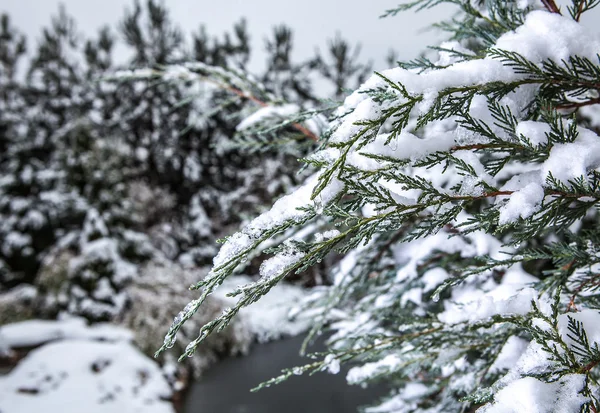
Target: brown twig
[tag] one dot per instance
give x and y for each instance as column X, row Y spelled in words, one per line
column 575, row 105
column 579, row 11
column 482, row 196
column 595, row 280
column 304, row 130
column 551, row 6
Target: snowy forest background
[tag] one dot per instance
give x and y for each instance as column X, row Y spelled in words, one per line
column 441, row 228
column 113, row 190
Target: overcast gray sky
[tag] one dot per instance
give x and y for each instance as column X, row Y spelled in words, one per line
column 313, row 21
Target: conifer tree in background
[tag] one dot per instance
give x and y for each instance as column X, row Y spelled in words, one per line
column 12, row 49
column 36, row 205
column 115, row 184
column 461, row 190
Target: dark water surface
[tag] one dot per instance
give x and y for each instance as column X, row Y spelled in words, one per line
column 225, row 388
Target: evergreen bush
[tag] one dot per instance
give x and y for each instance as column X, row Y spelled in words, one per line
column 461, row 190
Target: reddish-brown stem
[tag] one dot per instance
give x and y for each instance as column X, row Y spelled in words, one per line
column 259, row 102
column 486, row 195
column 551, row 6
column 595, row 280
column 574, row 105
column 590, row 366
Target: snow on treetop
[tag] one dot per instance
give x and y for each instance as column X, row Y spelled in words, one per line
column 281, row 111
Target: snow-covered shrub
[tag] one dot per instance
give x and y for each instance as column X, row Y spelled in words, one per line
column 154, row 155
column 97, row 278
column 150, row 205
column 462, row 191
column 17, row 304
column 52, row 283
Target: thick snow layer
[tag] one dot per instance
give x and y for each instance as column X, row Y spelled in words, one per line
column 279, row 263
column 530, row 395
column 551, row 36
column 389, row 363
column 522, row 204
column 543, row 36
column 33, row 333
column 74, row 376
column 536, row 132
column 405, row 146
column 512, row 350
column 569, row 161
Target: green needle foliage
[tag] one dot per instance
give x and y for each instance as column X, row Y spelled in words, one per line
column 461, row 192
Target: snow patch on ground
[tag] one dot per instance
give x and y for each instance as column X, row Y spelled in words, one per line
column 33, row 333
column 74, row 376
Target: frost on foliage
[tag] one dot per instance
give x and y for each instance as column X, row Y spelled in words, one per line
column 290, row 209
column 451, row 183
column 512, row 297
column 272, row 317
column 102, row 377
column 98, row 276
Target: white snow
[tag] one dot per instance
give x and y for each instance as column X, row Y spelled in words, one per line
column 80, row 369
column 530, row 395
column 284, row 210
column 74, row 376
column 358, row 374
column 536, row 132
column 268, row 112
column 591, row 324
column 522, row 204
column 332, row 364
column 569, row 161
column 33, row 333
column 281, row 262
column 405, row 400
column 512, row 350
column 433, row 278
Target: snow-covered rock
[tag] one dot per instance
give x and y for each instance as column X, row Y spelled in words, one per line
column 74, row 376
column 33, row 333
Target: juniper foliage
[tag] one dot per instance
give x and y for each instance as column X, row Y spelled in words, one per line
column 104, row 173
column 461, row 190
